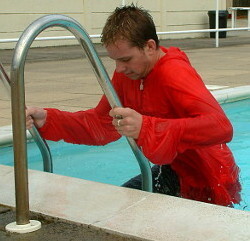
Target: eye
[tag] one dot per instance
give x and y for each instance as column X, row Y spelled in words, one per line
column 126, row 59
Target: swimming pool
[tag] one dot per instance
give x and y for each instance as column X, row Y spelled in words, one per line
column 112, row 164
column 115, row 162
column 239, row 114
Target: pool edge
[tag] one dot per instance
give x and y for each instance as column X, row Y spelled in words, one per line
column 124, row 211
column 232, row 94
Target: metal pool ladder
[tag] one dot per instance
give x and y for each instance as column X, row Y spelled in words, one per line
column 18, row 107
column 41, row 143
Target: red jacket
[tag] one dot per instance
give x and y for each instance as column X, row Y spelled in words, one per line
column 183, row 125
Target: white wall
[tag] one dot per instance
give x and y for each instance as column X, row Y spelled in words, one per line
column 169, row 15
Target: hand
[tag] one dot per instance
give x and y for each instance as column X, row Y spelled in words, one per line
column 35, row 116
column 127, row 121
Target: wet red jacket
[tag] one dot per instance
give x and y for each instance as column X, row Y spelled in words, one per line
column 183, row 125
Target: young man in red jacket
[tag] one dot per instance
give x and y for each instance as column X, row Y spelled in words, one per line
column 174, row 119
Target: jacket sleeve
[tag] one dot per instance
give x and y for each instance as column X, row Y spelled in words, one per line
column 91, row 127
column 200, row 120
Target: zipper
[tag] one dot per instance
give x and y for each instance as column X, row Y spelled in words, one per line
column 141, row 85
column 141, row 93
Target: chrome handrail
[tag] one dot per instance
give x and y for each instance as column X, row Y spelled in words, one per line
column 18, row 104
column 41, row 143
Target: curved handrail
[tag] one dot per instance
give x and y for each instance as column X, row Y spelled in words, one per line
column 41, row 143
column 18, row 103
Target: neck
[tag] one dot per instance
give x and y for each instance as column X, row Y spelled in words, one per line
column 160, row 54
column 157, row 56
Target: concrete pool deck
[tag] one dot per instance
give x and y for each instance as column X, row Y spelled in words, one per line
column 85, row 210
column 116, row 213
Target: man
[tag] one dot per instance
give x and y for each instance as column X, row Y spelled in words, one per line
column 174, row 119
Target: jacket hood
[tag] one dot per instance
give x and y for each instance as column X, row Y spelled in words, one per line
column 174, row 53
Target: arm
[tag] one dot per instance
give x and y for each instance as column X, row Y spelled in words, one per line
column 91, row 127
column 201, row 122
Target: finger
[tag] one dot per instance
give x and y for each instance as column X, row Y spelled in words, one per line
column 29, row 123
column 119, row 117
column 119, row 122
column 29, row 111
column 113, row 112
column 28, row 119
column 117, row 112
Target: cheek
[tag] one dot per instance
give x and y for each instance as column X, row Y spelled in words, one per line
column 142, row 66
column 138, row 64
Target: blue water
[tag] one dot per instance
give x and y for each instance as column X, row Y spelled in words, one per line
column 239, row 114
column 115, row 162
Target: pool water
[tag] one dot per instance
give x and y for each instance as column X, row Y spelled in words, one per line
column 239, row 115
column 115, row 162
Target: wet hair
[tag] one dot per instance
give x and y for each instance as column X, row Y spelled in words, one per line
column 130, row 23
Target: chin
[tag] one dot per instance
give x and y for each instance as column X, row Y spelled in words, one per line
column 133, row 76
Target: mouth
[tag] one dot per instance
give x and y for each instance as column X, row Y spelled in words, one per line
column 128, row 73
column 131, row 74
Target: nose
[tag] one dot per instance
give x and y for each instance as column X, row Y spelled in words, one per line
column 120, row 67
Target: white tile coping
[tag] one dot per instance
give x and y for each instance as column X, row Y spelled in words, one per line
column 6, row 136
column 126, row 211
column 221, row 93
column 232, row 94
column 216, row 87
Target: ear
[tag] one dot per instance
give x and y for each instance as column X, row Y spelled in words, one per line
column 150, row 46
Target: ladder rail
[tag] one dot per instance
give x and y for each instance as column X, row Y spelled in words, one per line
column 18, row 104
column 41, row 143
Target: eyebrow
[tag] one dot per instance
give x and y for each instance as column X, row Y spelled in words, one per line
column 124, row 58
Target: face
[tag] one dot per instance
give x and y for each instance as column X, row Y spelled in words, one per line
column 135, row 63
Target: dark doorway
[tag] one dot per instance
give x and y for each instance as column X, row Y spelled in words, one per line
column 241, row 3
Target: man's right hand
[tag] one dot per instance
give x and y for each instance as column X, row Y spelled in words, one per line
column 35, row 116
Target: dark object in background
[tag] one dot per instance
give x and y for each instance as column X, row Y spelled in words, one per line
column 223, row 15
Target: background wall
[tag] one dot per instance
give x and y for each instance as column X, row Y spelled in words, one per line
column 169, row 15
